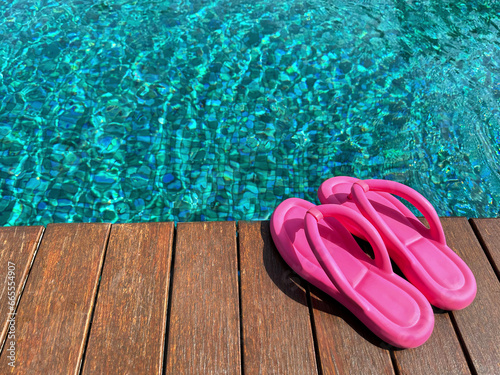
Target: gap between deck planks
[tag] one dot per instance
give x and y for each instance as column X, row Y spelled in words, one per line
column 271, row 322
column 54, row 311
column 132, row 301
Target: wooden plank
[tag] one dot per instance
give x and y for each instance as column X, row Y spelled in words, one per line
column 488, row 233
column 441, row 354
column 335, row 324
column 204, row 332
column 55, row 309
column 345, row 345
column 277, row 334
column 17, row 250
column 128, row 328
column 479, row 323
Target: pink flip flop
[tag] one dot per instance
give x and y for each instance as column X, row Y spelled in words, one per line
column 317, row 246
column 421, row 253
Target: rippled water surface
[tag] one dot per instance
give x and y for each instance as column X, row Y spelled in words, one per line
column 128, row 111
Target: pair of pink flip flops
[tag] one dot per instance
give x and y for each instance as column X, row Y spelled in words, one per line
column 317, row 244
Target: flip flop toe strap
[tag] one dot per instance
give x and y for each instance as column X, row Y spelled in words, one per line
column 325, row 258
column 358, row 194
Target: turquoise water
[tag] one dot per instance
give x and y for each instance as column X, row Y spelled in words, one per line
column 128, row 111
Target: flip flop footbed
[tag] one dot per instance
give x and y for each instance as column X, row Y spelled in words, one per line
column 436, row 270
column 387, row 304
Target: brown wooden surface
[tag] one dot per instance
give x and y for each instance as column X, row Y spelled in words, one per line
column 17, row 248
column 55, row 308
column 488, row 233
column 479, row 323
column 339, row 331
column 345, row 345
column 204, row 332
column 128, row 328
column 441, row 354
column 277, row 334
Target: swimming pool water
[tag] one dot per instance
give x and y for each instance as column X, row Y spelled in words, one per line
column 128, row 111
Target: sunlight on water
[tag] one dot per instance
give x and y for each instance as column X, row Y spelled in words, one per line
column 127, row 111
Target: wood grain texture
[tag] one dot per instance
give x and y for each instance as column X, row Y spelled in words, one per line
column 345, row 345
column 17, row 250
column 488, row 232
column 55, row 309
column 479, row 323
column 128, row 328
column 441, row 354
column 204, row 331
column 277, row 333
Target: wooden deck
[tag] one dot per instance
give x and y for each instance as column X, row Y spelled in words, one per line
column 213, row 298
